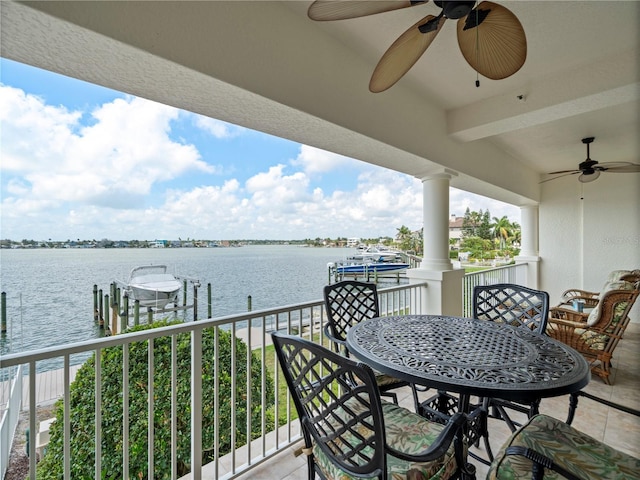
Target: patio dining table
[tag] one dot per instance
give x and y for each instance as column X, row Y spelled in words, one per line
column 469, row 357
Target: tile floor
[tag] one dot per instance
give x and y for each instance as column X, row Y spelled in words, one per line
column 621, row 431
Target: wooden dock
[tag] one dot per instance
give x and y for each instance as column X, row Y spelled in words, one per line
column 49, row 387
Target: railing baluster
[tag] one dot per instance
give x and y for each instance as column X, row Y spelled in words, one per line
column 150, row 407
column 174, row 407
column 98, row 411
column 32, row 420
column 196, row 404
column 233, row 398
column 125, row 410
column 248, row 387
column 66, row 439
column 216, row 401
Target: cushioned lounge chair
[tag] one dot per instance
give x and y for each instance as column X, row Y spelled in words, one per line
column 596, row 332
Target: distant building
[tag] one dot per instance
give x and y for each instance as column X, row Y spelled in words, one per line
column 353, row 242
column 158, row 244
column 455, row 231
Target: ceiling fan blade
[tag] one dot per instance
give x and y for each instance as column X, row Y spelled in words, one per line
column 322, row 10
column 567, row 172
column 573, row 170
column 403, row 54
column 492, row 41
column 619, row 167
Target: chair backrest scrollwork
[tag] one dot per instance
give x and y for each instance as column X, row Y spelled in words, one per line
column 512, row 304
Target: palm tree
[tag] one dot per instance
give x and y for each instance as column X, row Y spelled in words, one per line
column 501, row 229
column 404, row 237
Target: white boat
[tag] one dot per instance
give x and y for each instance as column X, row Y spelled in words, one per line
column 374, row 253
column 357, row 269
column 152, row 286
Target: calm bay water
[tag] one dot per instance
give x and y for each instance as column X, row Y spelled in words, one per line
column 50, row 291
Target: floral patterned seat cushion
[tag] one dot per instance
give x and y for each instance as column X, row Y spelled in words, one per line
column 576, row 452
column 409, row 433
column 594, row 316
column 382, row 379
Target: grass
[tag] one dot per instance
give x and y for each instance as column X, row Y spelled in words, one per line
column 475, row 269
column 283, row 391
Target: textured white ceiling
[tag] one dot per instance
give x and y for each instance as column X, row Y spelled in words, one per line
column 267, row 66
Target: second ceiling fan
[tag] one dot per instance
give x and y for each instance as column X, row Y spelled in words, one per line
column 490, row 36
column 590, row 170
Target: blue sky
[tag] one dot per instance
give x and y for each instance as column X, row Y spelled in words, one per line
column 83, row 161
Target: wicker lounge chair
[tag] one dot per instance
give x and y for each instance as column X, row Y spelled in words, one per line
column 590, row 299
column 596, row 333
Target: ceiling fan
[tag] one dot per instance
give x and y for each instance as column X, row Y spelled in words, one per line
column 590, row 170
column 490, row 36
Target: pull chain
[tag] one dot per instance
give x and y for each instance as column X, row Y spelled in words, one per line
column 477, row 47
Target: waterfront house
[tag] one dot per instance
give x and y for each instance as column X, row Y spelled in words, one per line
column 266, row 66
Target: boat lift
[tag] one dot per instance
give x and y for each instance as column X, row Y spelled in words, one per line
column 114, row 310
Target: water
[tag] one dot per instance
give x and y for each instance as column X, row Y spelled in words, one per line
column 50, row 291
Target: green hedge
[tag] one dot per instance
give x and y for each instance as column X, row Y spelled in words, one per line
column 82, row 404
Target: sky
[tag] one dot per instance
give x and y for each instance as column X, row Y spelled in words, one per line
column 79, row 161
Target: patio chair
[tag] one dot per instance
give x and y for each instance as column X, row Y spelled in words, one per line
column 349, row 432
column 547, row 448
column 521, row 307
column 590, row 299
column 349, row 302
column 596, row 334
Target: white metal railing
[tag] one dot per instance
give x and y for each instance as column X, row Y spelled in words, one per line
column 253, row 329
column 10, row 416
column 516, row 273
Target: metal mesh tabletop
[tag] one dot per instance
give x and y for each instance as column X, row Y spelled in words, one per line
column 469, row 356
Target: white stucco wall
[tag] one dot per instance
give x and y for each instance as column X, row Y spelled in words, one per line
column 587, row 230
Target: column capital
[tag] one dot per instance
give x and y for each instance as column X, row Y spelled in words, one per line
column 439, row 173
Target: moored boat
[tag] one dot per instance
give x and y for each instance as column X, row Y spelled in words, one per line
column 367, row 268
column 376, row 254
column 152, row 286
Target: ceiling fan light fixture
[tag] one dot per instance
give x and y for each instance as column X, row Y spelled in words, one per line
column 587, row 177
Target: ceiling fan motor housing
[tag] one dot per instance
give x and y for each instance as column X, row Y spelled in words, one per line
column 587, row 166
column 455, row 9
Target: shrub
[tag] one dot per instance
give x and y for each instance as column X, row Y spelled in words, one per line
column 82, row 402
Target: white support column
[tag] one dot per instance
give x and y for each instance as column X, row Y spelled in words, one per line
column 443, row 295
column 529, row 247
column 435, row 212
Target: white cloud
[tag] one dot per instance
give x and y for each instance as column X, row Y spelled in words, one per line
column 313, row 160
column 122, row 176
column 217, row 128
column 116, row 159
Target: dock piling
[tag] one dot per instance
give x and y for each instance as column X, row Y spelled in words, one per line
column 101, row 312
column 124, row 318
column 136, row 312
column 96, row 313
column 3, row 314
column 195, row 302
